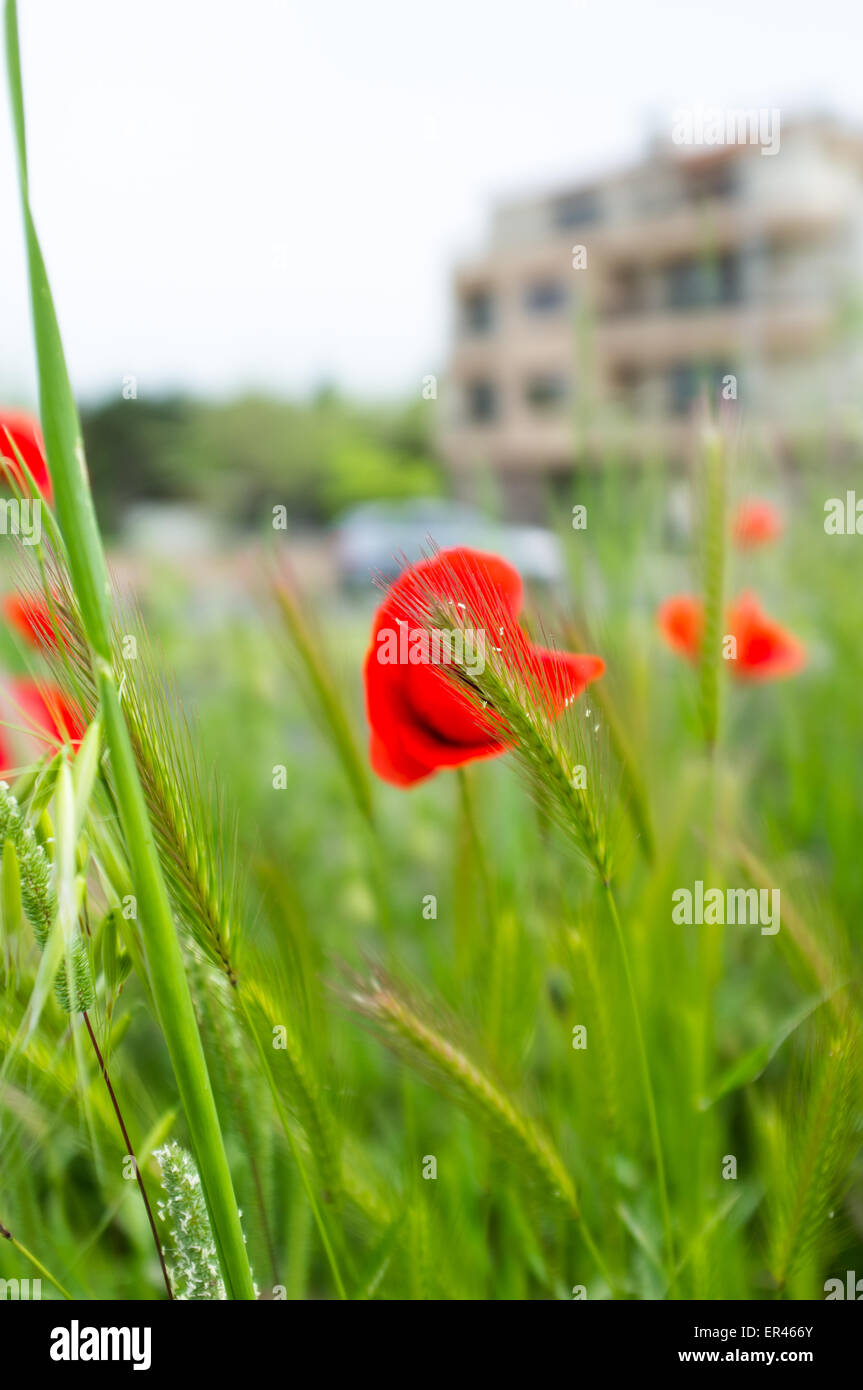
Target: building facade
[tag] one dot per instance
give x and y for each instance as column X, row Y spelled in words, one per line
column 600, row 315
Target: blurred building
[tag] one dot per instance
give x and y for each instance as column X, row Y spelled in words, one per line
column 600, row 313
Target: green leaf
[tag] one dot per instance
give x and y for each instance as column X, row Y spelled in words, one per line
column 750, row 1066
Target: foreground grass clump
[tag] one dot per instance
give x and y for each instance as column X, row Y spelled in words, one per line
column 506, row 1150
column 559, row 1091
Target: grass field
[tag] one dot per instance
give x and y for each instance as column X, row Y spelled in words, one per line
column 446, row 1042
column 463, row 899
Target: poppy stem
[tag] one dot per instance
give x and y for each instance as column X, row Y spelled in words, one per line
column 647, row 1084
column 468, row 806
column 469, row 809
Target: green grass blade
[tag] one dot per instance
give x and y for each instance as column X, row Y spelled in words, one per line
column 88, row 570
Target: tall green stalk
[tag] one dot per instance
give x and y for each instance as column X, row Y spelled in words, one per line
column 647, row 1084
column 713, row 583
column 88, row 570
column 714, row 506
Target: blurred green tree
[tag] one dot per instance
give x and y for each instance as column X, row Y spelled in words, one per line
column 240, row 457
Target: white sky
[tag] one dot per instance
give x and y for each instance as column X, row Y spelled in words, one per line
column 236, row 193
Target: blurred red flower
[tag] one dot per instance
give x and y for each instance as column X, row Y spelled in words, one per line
column 31, row 617
column 756, row 523
column 26, row 436
column 419, row 721
column 765, row 651
column 7, row 762
column 44, row 709
column 681, row 622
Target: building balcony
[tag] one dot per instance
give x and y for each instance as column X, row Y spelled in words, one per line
column 657, row 338
column 721, row 224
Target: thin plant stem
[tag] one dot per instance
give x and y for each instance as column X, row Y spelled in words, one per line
column 598, row 1259
column 647, row 1085
column 37, row 1264
column 129, row 1150
column 713, row 535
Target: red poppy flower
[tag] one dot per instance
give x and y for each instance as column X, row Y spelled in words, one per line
column 45, row 709
column 420, row 722
column 756, row 523
column 31, row 617
column 26, row 436
column 681, row 621
column 7, row 762
column 764, row 650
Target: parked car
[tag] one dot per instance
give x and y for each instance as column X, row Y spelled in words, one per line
column 374, row 539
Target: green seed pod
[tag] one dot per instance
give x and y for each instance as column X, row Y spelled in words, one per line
column 10, row 816
column 196, row 1274
column 35, row 892
column 83, row 994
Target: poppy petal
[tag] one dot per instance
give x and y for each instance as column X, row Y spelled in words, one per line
column 26, row 437
column 564, row 675
column 420, row 720
column 7, row 762
column 765, row 650
column 443, row 709
column 402, row 771
column 681, row 622
column 388, row 714
column 756, row 523
column 30, row 617
column 46, row 709
column 487, row 586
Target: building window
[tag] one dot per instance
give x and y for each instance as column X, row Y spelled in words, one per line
column 683, row 280
column 730, row 278
column 577, row 209
column 546, row 392
column 545, row 297
column 683, row 386
column 482, row 402
column 687, row 381
column 701, row 284
column 627, row 292
column 478, row 311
